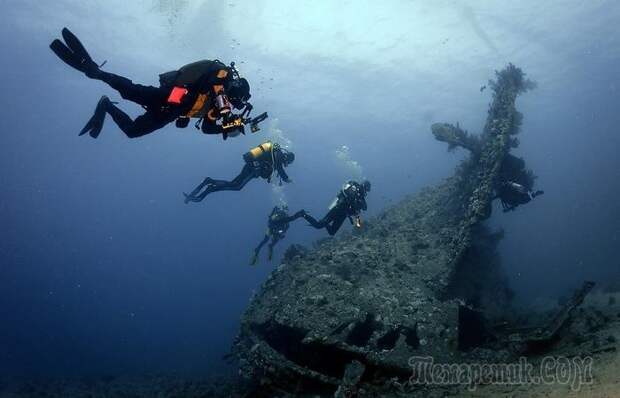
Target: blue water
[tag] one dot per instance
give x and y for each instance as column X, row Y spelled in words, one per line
column 104, row 270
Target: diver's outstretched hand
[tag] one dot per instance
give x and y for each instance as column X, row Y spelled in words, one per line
column 254, row 259
column 189, row 198
column 300, row 214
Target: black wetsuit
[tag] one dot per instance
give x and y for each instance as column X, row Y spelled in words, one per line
column 277, row 226
column 251, row 170
column 159, row 112
column 512, row 194
column 350, row 202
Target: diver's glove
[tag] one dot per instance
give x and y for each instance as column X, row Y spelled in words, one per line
column 254, row 259
column 189, row 198
column 358, row 222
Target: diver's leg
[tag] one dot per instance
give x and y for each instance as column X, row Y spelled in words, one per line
column 148, row 96
column 324, row 222
column 193, row 195
column 313, row 221
column 335, row 223
column 261, row 244
column 273, row 242
column 258, row 248
column 199, row 187
column 142, row 125
column 246, row 175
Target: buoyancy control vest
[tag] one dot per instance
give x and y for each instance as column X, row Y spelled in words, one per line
column 199, row 80
column 351, row 194
column 276, row 225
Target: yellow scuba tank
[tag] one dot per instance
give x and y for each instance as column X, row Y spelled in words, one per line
column 262, row 152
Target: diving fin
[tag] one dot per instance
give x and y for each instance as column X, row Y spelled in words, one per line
column 64, row 53
column 94, row 126
column 76, row 45
column 74, row 54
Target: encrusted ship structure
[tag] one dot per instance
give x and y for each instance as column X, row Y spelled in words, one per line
column 421, row 279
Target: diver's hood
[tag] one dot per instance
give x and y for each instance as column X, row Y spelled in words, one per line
column 238, row 92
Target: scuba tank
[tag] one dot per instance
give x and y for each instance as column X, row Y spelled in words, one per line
column 334, row 203
column 260, row 153
column 263, row 158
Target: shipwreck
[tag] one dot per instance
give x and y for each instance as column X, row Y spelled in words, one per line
column 421, row 279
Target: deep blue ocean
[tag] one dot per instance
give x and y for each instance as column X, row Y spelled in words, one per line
column 104, row 269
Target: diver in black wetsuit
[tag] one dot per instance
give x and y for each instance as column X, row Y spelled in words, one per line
column 351, row 200
column 207, row 90
column 512, row 194
column 277, row 226
column 262, row 161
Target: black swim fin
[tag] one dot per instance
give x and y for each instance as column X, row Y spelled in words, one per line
column 94, row 126
column 74, row 54
column 76, row 45
column 64, row 53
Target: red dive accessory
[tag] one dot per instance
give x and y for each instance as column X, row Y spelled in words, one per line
column 177, row 94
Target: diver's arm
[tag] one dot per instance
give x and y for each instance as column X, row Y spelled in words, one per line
column 282, row 173
column 209, row 126
column 299, row 214
column 364, row 204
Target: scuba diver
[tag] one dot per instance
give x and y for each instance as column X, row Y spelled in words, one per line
column 351, row 200
column 262, row 161
column 516, row 183
column 512, row 194
column 277, row 225
column 206, row 90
